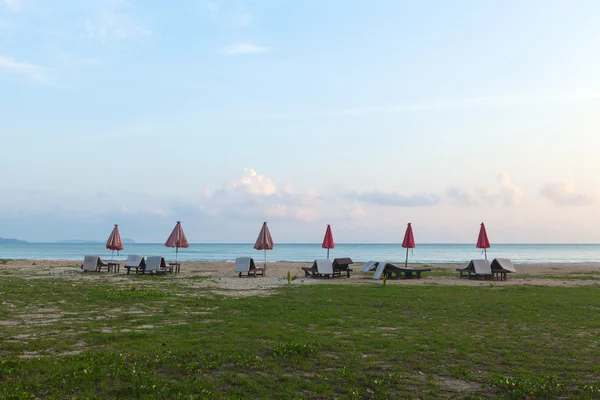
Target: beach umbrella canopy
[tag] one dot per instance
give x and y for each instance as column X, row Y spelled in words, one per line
column 264, row 240
column 328, row 240
column 482, row 240
column 114, row 241
column 177, row 239
column 408, row 242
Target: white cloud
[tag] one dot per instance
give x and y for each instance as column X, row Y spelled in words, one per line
column 563, row 194
column 245, row 48
column 254, row 195
column 507, row 193
column 30, row 71
column 13, row 4
column 395, row 199
column 113, row 27
column 113, row 20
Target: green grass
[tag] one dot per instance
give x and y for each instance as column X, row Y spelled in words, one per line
column 158, row 338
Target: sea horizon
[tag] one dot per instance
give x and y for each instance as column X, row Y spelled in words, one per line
column 523, row 253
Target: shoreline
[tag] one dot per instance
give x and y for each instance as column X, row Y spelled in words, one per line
column 221, row 276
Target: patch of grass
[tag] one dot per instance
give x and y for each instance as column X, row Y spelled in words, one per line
column 160, row 338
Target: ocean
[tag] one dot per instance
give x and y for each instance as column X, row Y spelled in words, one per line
column 359, row 252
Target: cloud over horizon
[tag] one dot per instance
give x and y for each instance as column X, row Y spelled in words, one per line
column 506, row 194
column 563, row 194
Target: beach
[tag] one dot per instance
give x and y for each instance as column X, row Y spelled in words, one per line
column 221, row 275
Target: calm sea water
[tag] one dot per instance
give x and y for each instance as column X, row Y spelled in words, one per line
column 424, row 253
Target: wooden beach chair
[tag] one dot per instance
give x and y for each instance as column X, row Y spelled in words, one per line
column 321, row 268
column 342, row 265
column 246, row 265
column 155, row 264
column 501, row 267
column 476, row 269
column 135, row 261
column 93, row 264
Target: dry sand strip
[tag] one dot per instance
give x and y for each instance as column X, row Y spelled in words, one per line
column 223, row 276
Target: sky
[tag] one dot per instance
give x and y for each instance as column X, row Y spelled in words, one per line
column 365, row 115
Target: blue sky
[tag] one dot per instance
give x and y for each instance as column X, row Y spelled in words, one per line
column 362, row 114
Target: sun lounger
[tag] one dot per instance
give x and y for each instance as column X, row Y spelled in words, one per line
column 369, row 266
column 501, row 267
column 155, row 264
column 246, row 265
column 477, row 269
column 321, row 268
column 93, row 264
column 391, row 271
column 135, row 261
column 342, row 265
column 379, row 270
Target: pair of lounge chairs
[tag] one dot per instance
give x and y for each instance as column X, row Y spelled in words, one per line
column 153, row 264
column 391, row 271
column 246, row 265
column 498, row 269
column 325, row 268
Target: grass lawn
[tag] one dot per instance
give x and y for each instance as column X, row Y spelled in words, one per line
column 154, row 338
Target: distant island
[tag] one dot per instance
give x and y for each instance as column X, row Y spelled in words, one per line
column 12, row 241
column 79, row 241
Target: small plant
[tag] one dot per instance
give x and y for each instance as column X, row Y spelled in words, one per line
column 293, row 350
column 528, row 388
column 291, row 278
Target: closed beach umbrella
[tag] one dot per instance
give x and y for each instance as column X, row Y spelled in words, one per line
column 482, row 240
column 408, row 242
column 177, row 239
column 264, row 240
column 114, row 241
column 328, row 240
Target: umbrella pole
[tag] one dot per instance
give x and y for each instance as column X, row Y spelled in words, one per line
column 485, row 252
column 176, row 252
column 406, row 261
column 265, row 257
column 328, row 254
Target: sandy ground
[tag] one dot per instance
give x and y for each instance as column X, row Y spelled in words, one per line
column 222, row 276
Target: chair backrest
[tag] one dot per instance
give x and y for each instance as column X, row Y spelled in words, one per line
column 155, row 263
column 369, row 266
column 90, row 263
column 342, row 262
column 133, row 260
column 379, row 271
column 324, row 266
column 503, row 264
column 481, row 267
column 242, row 264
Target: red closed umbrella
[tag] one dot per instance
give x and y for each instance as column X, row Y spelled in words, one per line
column 177, row 239
column 264, row 240
column 408, row 242
column 328, row 240
column 114, row 241
column 482, row 240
